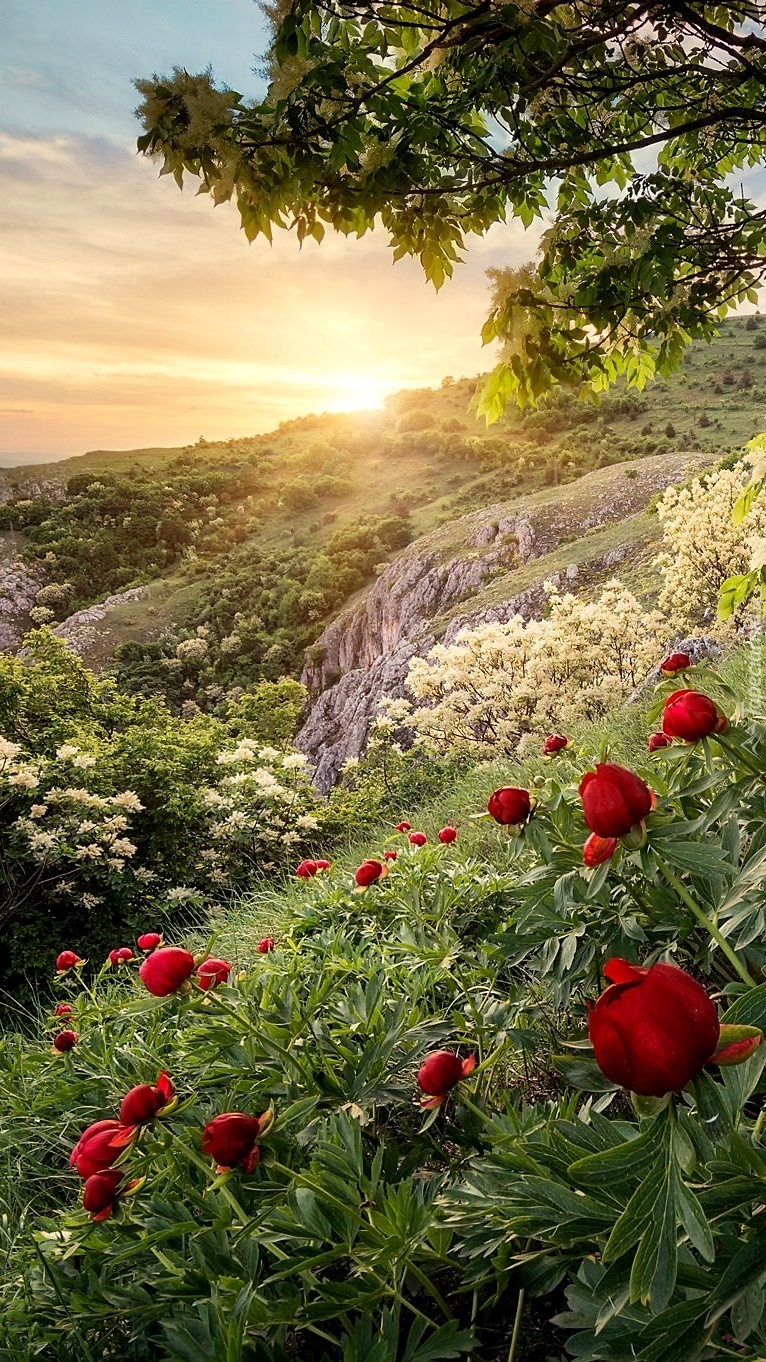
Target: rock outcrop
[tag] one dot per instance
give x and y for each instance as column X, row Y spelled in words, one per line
column 440, row 584
column 18, row 589
column 79, row 630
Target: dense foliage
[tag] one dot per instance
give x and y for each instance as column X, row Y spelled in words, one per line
column 110, row 807
column 256, row 613
column 506, row 1216
column 630, row 127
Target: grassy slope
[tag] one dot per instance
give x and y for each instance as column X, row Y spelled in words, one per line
column 620, row 736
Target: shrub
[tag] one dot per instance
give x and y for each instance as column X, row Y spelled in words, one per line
column 499, row 682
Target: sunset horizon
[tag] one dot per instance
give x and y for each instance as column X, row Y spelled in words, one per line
column 139, row 317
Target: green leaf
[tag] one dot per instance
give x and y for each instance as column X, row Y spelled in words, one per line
column 746, row 1269
column 583, row 1073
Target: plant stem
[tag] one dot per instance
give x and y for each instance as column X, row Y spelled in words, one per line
column 429, row 1287
column 736, row 753
column 516, row 1326
column 705, row 922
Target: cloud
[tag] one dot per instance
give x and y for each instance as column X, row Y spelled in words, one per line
column 137, row 315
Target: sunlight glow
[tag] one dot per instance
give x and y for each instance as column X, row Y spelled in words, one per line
column 358, row 392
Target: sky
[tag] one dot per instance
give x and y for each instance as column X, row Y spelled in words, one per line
column 133, row 315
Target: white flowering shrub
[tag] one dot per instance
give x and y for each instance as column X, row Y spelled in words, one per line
column 703, row 546
column 499, row 682
column 117, row 816
column 261, row 812
column 60, row 835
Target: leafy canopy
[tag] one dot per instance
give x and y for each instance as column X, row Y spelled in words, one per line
column 622, row 128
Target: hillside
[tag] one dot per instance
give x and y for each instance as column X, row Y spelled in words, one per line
column 242, row 554
column 487, row 566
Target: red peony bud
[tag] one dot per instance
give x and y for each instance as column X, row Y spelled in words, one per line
column 690, row 715
column 63, row 1010
column 100, row 1146
column 676, row 662
column 306, row 869
column 165, row 970
column 403, row 827
column 598, row 849
column 367, row 873
column 65, row 1040
column 657, row 740
column 417, row 839
column 390, row 855
column 67, row 960
column 149, row 941
column 614, row 800
column 510, row 806
column 440, row 1072
column 736, row 1044
column 213, row 972
column 653, row 1029
column 554, row 743
column 230, row 1139
column 447, row 835
column 323, row 865
column 120, row 955
column 99, row 1195
column 144, row 1102
column 266, row 944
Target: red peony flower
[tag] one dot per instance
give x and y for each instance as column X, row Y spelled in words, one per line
column 67, row 960
column 598, row 849
column 65, row 1040
column 166, row 969
column 100, row 1146
column 439, row 1073
column 99, row 1195
column 144, row 1102
column 121, row 954
column 510, row 806
column 390, row 855
column 266, row 944
column 653, row 1029
column 448, row 835
column 149, row 941
column 230, row 1139
column 554, row 743
column 63, row 1010
column 403, row 827
column 690, row 715
column 417, row 839
column 675, row 662
column 367, row 873
column 306, row 869
column 614, row 800
column 213, row 972
column 657, row 740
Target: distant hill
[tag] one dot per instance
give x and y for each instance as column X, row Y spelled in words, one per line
column 254, row 545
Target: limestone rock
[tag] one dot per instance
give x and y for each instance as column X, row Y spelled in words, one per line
column 18, row 589
column 78, row 630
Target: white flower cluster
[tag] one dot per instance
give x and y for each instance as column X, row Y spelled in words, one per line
column 498, row 682
column 264, row 798
column 61, row 828
column 702, row 545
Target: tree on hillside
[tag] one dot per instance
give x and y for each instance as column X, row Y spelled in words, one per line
column 622, row 128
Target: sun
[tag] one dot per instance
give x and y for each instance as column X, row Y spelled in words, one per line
column 357, row 392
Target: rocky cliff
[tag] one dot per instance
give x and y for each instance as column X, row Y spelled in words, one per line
column 486, row 566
